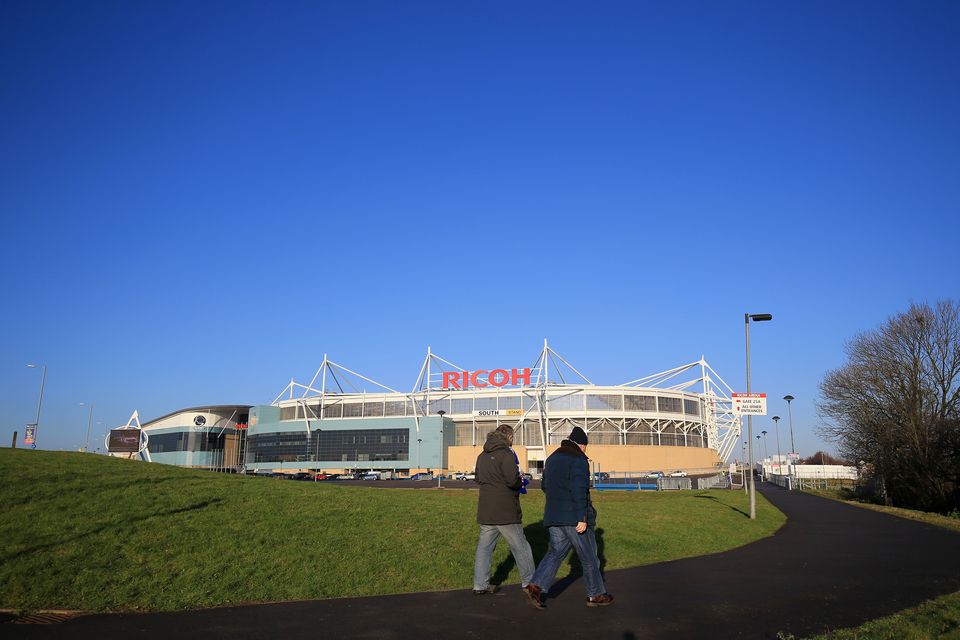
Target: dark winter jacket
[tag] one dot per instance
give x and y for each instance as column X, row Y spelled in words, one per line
column 500, row 482
column 566, row 481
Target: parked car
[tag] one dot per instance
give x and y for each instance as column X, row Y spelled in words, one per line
column 655, row 474
column 601, row 476
column 465, row 476
column 527, row 476
column 679, row 473
column 303, row 475
column 422, row 476
column 370, row 475
column 321, row 476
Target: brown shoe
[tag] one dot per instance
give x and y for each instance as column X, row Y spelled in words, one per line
column 532, row 593
column 601, row 600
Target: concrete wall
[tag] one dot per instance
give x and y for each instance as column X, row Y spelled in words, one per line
column 464, row 458
column 611, row 458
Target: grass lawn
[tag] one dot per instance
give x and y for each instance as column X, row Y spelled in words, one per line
column 88, row 532
column 934, row 619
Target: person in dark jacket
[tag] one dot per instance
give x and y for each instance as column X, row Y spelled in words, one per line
column 498, row 510
column 570, row 519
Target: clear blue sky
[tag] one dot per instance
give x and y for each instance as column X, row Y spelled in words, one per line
column 200, row 199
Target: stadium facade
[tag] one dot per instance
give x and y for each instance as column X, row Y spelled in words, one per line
column 342, row 420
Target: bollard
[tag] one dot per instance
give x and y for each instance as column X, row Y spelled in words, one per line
column 13, row 445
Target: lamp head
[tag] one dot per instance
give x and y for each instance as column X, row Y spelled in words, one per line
column 788, row 398
column 776, row 418
column 760, row 317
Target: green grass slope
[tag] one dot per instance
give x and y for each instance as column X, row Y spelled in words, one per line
column 88, row 532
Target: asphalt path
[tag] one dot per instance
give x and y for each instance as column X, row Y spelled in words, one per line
column 831, row 565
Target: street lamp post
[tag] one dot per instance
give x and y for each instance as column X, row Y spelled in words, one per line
column 776, row 423
column 419, row 440
column 793, row 449
column 756, row 317
column 440, row 469
column 766, row 454
column 761, row 466
column 43, row 379
column 86, row 442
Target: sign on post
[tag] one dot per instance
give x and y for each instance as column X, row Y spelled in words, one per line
column 753, row 404
column 29, row 434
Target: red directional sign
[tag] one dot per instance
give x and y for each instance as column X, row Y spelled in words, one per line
column 754, row 404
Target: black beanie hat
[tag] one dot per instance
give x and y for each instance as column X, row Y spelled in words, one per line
column 578, row 436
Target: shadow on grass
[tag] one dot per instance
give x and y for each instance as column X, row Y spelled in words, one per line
column 48, row 545
column 576, row 569
column 536, row 534
column 539, row 538
column 730, row 506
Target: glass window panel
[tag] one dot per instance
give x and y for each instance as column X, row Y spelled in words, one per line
column 669, row 405
column 604, row 402
column 569, row 402
column 640, row 403
column 485, row 404
column 352, row 409
column 394, row 407
column 691, row 407
column 333, row 410
column 461, row 405
column 373, row 408
column 509, row 402
column 439, row 404
column 347, row 445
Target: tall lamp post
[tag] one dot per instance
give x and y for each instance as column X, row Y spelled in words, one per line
column 793, row 449
column 743, row 466
column 419, row 440
column 86, row 442
column 440, row 468
column 756, row 317
column 43, row 379
column 776, row 423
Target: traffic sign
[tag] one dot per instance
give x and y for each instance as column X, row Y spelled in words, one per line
column 754, row 404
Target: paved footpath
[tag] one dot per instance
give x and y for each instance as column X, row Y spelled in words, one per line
column 832, row 565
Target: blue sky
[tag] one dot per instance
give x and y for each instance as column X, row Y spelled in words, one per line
column 199, row 201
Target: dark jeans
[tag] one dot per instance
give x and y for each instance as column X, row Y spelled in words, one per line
column 585, row 545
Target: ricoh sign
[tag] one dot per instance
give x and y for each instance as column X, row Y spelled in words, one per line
column 483, row 378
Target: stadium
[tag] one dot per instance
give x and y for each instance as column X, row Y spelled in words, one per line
column 344, row 421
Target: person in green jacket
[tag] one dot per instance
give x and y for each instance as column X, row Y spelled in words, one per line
column 498, row 509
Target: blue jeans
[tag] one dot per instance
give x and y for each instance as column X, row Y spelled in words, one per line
column 585, row 545
column 519, row 547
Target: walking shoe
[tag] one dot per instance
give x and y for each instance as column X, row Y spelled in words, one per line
column 532, row 593
column 601, row 600
column 490, row 588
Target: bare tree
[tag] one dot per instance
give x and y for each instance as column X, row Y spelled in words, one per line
column 896, row 405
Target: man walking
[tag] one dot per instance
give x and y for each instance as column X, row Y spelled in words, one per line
column 498, row 510
column 570, row 519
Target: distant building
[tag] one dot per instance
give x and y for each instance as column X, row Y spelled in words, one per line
column 677, row 419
